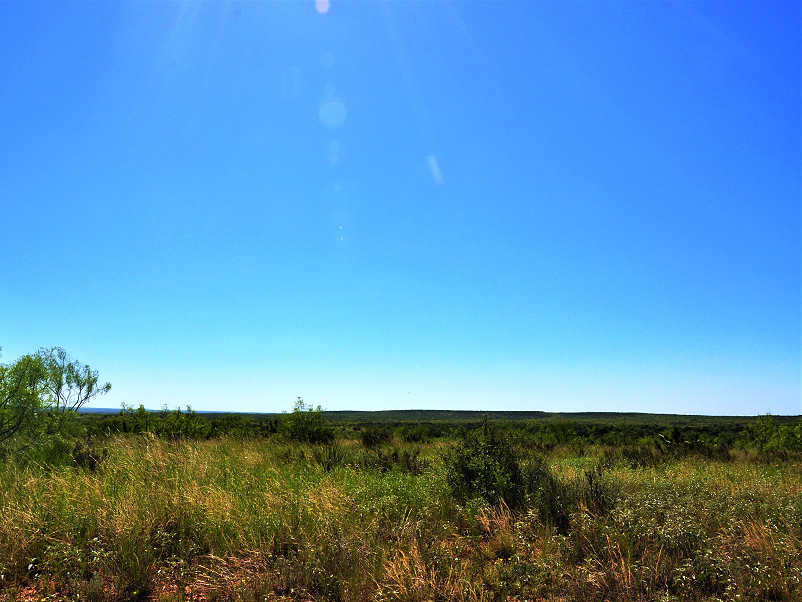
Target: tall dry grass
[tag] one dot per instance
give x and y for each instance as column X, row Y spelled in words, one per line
column 261, row 519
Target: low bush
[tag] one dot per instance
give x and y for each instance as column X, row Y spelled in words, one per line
column 483, row 465
column 419, row 433
column 546, row 493
column 88, row 456
column 373, row 436
column 597, row 493
column 405, row 460
column 306, row 424
column 330, row 456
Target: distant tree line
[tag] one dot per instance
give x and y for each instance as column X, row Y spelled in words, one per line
column 41, row 393
column 764, row 434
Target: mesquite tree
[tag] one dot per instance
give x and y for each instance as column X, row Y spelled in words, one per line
column 21, row 386
column 47, row 384
column 68, row 383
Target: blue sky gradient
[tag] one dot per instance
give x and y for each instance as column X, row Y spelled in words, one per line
column 557, row 206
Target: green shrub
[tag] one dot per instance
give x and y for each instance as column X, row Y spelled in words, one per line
column 642, row 455
column 330, row 456
column 169, row 424
column 373, row 436
column 553, row 499
column 307, row 424
column 483, row 465
column 408, row 461
column 85, row 455
column 598, row 494
column 419, row 433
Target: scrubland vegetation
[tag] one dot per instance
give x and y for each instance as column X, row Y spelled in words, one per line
column 413, row 506
column 175, row 505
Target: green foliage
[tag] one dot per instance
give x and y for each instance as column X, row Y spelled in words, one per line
column 787, row 438
column 68, row 384
column 711, row 510
column 88, row 456
column 170, row 424
column 307, row 424
column 21, row 386
column 553, row 499
column 420, row 433
column 405, row 460
column 330, row 456
column 766, row 435
column 642, row 455
column 373, row 436
column 597, row 493
column 177, row 423
column 156, row 514
column 761, row 431
column 39, row 398
column 483, row 465
column 243, row 426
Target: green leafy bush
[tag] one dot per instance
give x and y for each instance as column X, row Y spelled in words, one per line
column 21, row 387
column 483, row 465
column 553, row 499
column 373, row 436
column 307, row 424
column 40, row 395
column 419, row 433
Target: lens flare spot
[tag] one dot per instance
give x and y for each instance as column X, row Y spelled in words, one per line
column 332, row 113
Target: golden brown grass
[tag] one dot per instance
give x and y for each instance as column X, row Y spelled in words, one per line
column 254, row 520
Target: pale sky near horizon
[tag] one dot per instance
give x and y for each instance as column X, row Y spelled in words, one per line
column 557, row 206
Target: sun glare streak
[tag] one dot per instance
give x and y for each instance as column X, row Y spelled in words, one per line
column 404, row 60
column 434, row 169
column 184, row 26
column 414, row 91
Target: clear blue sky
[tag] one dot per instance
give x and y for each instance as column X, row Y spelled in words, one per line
column 558, row 206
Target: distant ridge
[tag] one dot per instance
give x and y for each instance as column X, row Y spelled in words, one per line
column 477, row 416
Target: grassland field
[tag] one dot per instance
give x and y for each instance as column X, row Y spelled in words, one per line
column 415, row 507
